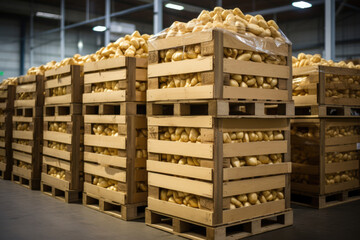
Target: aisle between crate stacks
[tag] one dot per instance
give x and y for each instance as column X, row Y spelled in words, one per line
column 325, row 164
column 212, row 177
column 7, row 96
column 62, row 171
column 27, row 131
column 216, row 72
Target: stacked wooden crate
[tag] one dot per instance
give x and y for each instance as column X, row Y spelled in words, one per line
column 205, row 140
column 326, row 136
column 115, row 136
column 7, row 96
column 62, row 170
column 27, row 131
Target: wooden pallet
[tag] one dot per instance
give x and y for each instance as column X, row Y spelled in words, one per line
column 121, row 108
column 215, row 69
column 192, row 230
column 317, row 86
column 24, row 177
column 325, row 201
column 63, row 109
column 125, row 168
column 316, row 149
column 321, row 111
column 70, row 77
column 125, row 212
column 126, row 70
column 55, row 188
column 7, row 97
column 214, row 181
column 219, row 108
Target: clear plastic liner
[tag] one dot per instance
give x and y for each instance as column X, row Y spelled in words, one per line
column 255, row 43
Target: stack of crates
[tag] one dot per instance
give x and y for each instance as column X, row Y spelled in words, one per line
column 62, row 161
column 115, row 136
column 219, row 155
column 27, row 131
column 7, row 96
column 326, row 136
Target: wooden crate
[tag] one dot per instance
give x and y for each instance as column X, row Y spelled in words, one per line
column 311, row 157
column 126, row 168
column 70, row 159
column 69, row 77
column 7, row 96
column 317, row 85
column 215, row 69
column 28, row 111
column 125, row 70
column 214, row 180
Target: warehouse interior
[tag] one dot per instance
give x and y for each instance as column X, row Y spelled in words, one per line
column 121, row 144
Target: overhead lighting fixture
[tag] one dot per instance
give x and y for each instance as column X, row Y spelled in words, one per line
column 99, row 28
column 302, row 4
column 174, row 6
column 48, row 15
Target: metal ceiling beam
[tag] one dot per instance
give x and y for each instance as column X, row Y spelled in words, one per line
column 329, row 30
column 158, row 16
column 62, row 30
column 107, row 21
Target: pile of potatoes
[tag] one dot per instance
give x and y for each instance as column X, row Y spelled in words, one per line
column 340, row 177
column 180, row 134
column 250, row 136
column 105, row 183
column 243, row 200
column 300, row 178
column 8, row 81
column 141, row 153
column 303, row 60
column 115, row 86
column 105, row 129
column 23, row 126
column 180, row 80
column 24, row 96
column 305, row 132
column 24, row 165
column 335, row 157
column 57, row 172
column 340, row 131
column 57, row 145
column 58, row 91
column 336, row 93
column 255, row 160
column 183, row 160
column 300, row 86
column 141, row 187
column 304, row 155
column 134, row 45
column 58, row 127
column 142, row 132
column 106, row 151
column 22, row 141
column 233, row 20
column 247, row 81
column 245, row 55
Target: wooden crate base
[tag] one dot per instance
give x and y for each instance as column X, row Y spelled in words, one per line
column 236, row 230
column 327, row 111
column 63, row 109
column 324, row 201
column 220, row 108
column 68, row 196
column 125, row 212
column 32, row 184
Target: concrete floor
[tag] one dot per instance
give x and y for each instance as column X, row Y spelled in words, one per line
column 26, row 214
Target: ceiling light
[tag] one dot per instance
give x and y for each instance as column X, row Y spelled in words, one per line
column 99, row 28
column 174, row 6
column 48, row 15
column 302, row 4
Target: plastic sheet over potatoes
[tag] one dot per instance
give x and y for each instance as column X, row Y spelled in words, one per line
column 239, row 201
column 303, row 60
column 113, row 185
column 115, row 86
column 134, row 45
column 232, row 20
column 57, row 172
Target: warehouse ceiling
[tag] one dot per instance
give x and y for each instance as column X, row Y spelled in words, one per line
column 75, row 10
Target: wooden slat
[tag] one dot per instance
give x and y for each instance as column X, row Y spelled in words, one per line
column 58, row 82
column 254, row 148
column 57, row 153
column 22, row 172
column 58, row 71
column 200, row 92
column 113, row 75
column 105, row 119
column 57, row 137
column 56, row 163
column 186, row 121
column 55, row 182
column 105, row 141
column 22, row 157
column 105, row 160
column 115, row 96
column 107, row 172
column 254, row 93
column 105, row 64
column 109, row 195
